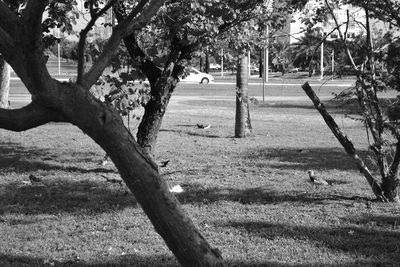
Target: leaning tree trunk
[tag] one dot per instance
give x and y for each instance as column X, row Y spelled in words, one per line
column 242, row 119
column 345, row 142
column 105, row 126
column 5, row 72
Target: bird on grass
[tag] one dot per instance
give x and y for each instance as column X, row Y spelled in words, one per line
column 34, row 179
column 203, row 126
column 164, row 163
column 104, row 161
column 112, row 180
column 317, row 180
column 176, row 189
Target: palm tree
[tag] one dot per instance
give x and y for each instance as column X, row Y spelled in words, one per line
column 306, row 53
column 281, row 55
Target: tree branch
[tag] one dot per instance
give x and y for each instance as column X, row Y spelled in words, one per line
column 32, row 17
column 83, row 35
column 6, row 42
column 128, row 26
column 28, row 117
column 8, row 19
column 343, row 37
column 144, row 63
column 394, row 167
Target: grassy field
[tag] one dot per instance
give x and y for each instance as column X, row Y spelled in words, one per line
column 250, row 197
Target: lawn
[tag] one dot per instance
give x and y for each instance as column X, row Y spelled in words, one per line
column 250, row 197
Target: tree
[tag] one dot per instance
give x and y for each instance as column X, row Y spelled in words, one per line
column 383, row 134
column 281, row 54
column 22, row 45
column 164, row 48
column 242, row 119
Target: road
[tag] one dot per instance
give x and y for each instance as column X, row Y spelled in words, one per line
column 275, row 90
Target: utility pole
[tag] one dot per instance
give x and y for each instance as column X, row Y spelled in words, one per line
column 333, row 62
column 59, row 51
column 222, row 62
column 249, row 63
column 322, row 57
column 266, row 61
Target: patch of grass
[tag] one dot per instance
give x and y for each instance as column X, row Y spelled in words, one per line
column 250, row 197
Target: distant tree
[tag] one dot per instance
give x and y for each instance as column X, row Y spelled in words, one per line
column 304, row 51
column 281, row 57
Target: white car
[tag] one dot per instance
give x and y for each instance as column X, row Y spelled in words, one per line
column 196, row 76
column 215, row 66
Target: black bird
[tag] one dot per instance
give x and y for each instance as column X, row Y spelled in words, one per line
column 317, row 180
column 203, row 126
column 34, row 179
column 164, row 163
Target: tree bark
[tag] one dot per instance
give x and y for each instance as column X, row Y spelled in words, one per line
column 242, row 118
column 5, row 72
column 345, row 142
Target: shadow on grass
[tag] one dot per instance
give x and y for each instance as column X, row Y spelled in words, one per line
column 126, row 260
column 53, row 197
column 347, row 107
column 199, row 194
column 19, row 159
column 137, row 261
column 303, row 158
column 191, row 133
column 382, row 247
column 377, row 220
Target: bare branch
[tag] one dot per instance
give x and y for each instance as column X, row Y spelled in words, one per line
column 123, row 29
column 83, row 35
column 28, row 117
column 343, row 38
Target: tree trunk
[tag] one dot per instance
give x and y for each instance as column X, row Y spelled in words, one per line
column 201, row 63
column 207, row 66
column 105, row 126
column 260, row 64
column 390, row 187
column 5, row 72
column 242, row 119
column 154, row 112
